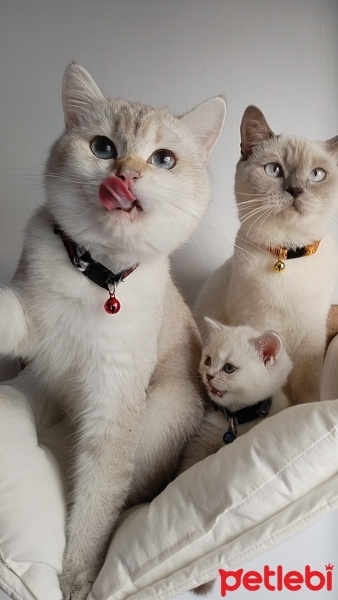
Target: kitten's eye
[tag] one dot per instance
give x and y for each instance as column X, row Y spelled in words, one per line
column 317, row 175
column 273, row 170
column 163, row 159
column 229, row 368
column 103, row 147
column 207, row 361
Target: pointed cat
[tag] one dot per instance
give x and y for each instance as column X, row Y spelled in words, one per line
column 240, row 367
column 287, row 196
column 128, row 184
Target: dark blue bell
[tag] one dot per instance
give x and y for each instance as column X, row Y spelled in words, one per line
column 229, row 436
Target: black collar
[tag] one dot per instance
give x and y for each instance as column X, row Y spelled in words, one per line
column 81, row 259
column 260, row 410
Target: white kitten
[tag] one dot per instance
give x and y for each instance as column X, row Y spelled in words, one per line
column 125, row 184
column 283, row 271
column 243, row 372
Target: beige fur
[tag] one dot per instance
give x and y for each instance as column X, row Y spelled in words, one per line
column 127, row 380
column 291, row 210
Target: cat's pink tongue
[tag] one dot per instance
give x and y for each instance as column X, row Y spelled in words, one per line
column 114, row 194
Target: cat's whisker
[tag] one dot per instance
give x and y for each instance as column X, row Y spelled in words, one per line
column 251, row 194
column 250, row 201
column 253, row 213
column 69, row 178
column 264, row 219
column 202, row 224
column 187, row 208
column 245, row 203
column 265, row 213
column 191, row 210
column 248, row 242
column 242, row 253
column 247, row 209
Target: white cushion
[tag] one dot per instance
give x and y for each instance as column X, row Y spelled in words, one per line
column 234, row 505
column 32, row 508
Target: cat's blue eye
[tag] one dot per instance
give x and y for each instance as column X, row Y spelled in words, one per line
column 229, row 368
column 207, row 361
column 163, row 159
column 103, row 147
column 317, row 175
column 273, row 169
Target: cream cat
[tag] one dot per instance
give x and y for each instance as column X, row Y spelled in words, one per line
column 125, row 185
column 283, row 271
column 243, row 372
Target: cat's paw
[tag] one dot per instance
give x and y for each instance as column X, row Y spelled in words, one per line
column 76, row 586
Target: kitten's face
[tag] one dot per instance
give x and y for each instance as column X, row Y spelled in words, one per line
column 235, row 370
column 127, row 176
column 285, row 185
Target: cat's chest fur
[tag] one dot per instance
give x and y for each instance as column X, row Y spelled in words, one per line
column 73, row 332
column 304, row 282
column 295, row 301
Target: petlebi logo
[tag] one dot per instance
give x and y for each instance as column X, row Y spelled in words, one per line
column 276, row 580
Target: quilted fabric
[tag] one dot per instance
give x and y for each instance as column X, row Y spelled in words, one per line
column 250, row 496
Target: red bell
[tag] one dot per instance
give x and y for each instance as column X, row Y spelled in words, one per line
column 112, row 305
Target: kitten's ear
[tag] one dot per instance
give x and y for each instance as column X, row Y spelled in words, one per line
column 254, row 129
column 206, row 123
column 268, row 346
column 79, row 90
column 213, row 325
column 332, row 145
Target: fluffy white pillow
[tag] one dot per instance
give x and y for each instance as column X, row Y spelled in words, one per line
column 236, row 504
column 32, row 508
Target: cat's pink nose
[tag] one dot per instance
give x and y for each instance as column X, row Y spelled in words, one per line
column 209, row 377
column 128, row 176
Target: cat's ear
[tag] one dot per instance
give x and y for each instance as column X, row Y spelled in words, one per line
column 332, row 145
column 206, row 123
column 213, row 325
column 79, row 90
column 254, row 130
column 268, row 346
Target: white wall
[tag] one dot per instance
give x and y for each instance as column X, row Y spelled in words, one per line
column 281, row 55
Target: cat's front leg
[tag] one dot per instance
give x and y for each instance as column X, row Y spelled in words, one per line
column 13, row 325
column 202, row 444
column 304, row 380
column 175, row 410
column 103, row 470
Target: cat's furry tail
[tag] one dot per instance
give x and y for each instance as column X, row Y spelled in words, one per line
column 13, row 324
